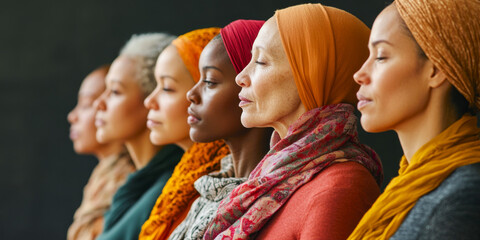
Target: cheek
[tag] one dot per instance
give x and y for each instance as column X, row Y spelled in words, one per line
column 175, row 113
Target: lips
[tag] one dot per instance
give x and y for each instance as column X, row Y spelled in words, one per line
column 152, row 123
column 192, row 117
column 73, row 134
column 99, row 122
column 362, row 101
column 243, row 101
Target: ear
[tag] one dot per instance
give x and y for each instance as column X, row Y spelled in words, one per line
column 436, row 77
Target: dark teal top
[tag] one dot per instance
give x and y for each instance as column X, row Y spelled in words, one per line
column 133, row 202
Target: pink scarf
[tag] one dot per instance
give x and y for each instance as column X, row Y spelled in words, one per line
column 319, row 138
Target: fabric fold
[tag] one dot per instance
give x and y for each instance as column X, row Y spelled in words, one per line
column 457, row 146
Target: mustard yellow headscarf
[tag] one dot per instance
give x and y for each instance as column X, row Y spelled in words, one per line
column 325, row 46
column 198, row 160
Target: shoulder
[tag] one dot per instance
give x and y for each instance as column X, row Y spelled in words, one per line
column 450, row 211
column 457, row 214
column 343, row 178
column 327, row 207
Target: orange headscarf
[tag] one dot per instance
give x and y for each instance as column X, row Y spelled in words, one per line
column 448, row 31
column 200, row 159
column 190, row 46
column 325, row 47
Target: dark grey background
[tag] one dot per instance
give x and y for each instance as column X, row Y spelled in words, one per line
column 46, row 48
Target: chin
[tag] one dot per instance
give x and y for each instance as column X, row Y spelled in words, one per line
column 371, row 125
column 197, row 137
column 80, row 149
column 157, row 139
column 247, row 121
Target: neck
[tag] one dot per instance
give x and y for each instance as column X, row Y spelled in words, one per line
column 281, row 126
column 423, row 127
column 108, row 150
column 185, row 144
column 141, row 149
column 248, row 149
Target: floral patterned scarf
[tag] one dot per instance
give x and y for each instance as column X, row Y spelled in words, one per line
column 319, row 138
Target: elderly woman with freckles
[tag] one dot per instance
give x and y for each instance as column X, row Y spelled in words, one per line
column 121, row 117
column 422, row 80
column 317, row 180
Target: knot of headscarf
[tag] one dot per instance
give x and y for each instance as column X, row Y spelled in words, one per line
column 457, row 146
column 238, row 38
column 179, row 191
column 190, row 45
column 448, row 31
column 325, row 46
column 319, row 138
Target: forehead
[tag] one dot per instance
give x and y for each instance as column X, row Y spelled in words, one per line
column 168, row 58
column 123, row 68
column 94, row 83
column 214, row 53
column 387, row 25
column 268, row 37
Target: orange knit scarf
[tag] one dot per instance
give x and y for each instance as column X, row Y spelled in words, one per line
column 179, row 192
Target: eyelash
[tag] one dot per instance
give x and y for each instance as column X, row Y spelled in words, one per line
column 379, row 59
column 209, row 83
column 259, row 63
column 167, row 89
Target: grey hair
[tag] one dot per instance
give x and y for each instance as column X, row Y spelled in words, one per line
column 146, row 48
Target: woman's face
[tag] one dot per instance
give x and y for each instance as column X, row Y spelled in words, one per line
column 82, row 117
column 393, row 81
column 268, row 94
column 121, row 115
column 214, row 112
column 167, row 118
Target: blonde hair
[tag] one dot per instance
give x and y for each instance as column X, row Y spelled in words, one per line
column 146, row 48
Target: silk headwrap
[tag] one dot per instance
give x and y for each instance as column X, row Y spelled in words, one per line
column 322, row 136
column 190, row 45
column 448, row 31
column 198, row 160
column 238, row 38
column 325, row 47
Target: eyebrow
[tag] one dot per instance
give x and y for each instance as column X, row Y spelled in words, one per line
column 117, row 81
column 162, row 77
column 375, row 43
column 211, row 67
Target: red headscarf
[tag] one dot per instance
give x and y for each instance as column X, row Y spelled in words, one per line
column 238, row 38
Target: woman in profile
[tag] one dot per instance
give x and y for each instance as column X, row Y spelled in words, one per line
column 214, row 114
column 176, row 72
column 422, row 80
column 121, row 117
column 114, row 163
column 317, row 180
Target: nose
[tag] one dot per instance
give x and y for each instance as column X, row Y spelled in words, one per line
column 99, row 103
column 72, row 116
column 242, row 79
column 361, row 76
column 193, row 95
column 151, row 101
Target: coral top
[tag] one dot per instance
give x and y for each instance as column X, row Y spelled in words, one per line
column 321, row 202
